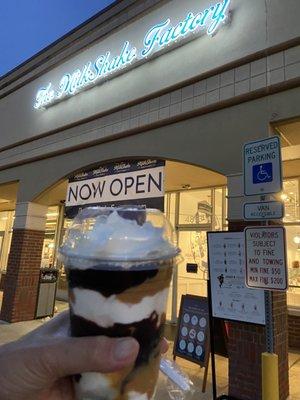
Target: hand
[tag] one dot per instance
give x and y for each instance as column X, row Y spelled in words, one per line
column 38, row 366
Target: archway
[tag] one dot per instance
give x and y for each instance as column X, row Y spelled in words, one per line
column 195, row 202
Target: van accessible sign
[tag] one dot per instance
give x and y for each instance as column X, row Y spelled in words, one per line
column 263, row 210
column 127, row 182
column 163, row 34
column 262, row 167
column 266, row 258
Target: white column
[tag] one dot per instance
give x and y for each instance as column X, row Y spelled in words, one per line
column 31, row 216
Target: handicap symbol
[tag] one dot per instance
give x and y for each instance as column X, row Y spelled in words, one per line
column 263, row 173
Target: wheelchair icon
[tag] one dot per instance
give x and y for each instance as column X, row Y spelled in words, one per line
column 263, row 175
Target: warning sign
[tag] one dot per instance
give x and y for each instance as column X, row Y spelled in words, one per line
column 266, row 258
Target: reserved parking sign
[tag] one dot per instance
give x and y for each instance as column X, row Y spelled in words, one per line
column 262, row 167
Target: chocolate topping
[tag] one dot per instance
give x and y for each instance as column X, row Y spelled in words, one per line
column 108, row 282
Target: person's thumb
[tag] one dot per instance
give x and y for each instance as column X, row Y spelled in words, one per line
column 72, row 356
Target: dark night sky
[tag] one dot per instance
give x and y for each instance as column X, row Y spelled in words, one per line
column 27, row 26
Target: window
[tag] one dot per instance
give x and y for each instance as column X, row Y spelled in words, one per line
column 290, row 198
column 48, row 253
column 195, row 207
column 193, row 213
column 6, row 224
column 62, row 281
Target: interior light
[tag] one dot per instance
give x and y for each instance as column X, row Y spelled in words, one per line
column 186, row 186
column 284, row 196
column 52, row 214
column 297, row 239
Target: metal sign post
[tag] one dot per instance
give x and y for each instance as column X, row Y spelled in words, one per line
column 269, row 315
column 265, row 247
column 212, row 343
column 269, row 322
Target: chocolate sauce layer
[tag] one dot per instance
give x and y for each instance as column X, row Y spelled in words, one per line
column 146, row 332
column 108, row 282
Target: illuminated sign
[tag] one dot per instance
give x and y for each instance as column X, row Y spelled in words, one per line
column 158, row 36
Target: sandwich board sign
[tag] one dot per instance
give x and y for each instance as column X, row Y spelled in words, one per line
column 192, row 341
column 264, row 210
column 266, row 258
column 262, row 167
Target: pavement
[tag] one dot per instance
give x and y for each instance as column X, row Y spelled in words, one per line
column 166, row 390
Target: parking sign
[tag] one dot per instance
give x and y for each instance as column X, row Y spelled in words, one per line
column 262, row 167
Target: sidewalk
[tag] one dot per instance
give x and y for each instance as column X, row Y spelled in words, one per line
column 9, row 332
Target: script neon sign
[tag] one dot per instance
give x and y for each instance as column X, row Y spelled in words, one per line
column 159, row 36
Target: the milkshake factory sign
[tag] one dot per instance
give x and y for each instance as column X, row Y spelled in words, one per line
column 163, row 34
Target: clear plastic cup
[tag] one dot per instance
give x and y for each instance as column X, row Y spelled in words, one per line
column 119, row 263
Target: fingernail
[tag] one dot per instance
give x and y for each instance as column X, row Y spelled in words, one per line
column 123, row 349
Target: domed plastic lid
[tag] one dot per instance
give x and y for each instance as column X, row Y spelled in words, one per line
column 118, row 234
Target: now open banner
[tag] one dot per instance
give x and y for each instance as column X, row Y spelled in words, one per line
column 138, row 182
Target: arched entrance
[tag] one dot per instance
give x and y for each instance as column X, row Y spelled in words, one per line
column 195, row 202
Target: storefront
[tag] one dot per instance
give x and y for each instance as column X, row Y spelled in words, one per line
column 193, row 211
column 178, row 81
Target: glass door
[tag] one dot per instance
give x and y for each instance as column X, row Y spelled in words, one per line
column 192, row 270
column 193, row 213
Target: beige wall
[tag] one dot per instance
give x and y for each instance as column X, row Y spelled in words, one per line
column 252, row 29
column 213, row 141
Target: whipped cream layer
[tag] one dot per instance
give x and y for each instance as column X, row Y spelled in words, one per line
column 108, row 311
column 115, row 238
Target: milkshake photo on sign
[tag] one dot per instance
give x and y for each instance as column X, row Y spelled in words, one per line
column 119, row 264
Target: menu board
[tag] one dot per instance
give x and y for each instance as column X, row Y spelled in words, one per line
column 192, row 341
column 231, row 299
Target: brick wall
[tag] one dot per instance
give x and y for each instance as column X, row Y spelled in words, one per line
column 22, row 277
column 294, row 331
column 247, row 342
column 280, row 324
